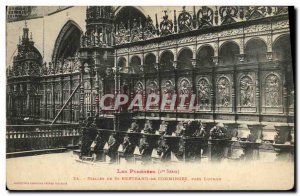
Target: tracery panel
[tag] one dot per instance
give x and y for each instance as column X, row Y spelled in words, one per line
column 246, row 93
column 224, row 94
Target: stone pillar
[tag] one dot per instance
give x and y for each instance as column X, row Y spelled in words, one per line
column 251, row 150
column 45, row 101
column 217, row 149
column 206, row 148
column 81, row 99
column 61, row 97
column 28, row 109
column 176, row 81
column 70, row 103
column 97, row 98
column 269, row 47
column 251, row 143
column 283, row 145
column 232, row 129
column 53, row 100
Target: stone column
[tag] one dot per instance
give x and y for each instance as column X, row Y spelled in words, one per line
column 283, row 143
column 28, row 109
column 97, row 98
column 53, row 100
column 81, row 99
column 61, row 97
column 207, row 148
column 45, row 101
column 232, row 129
column 70, row 106
column 251, row 140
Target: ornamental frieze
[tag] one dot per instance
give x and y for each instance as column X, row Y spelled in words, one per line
column 167, row 43
column 207, row 36
column 280, row 25
column 186, row 40
column 122, row 50
column 257, row 28
column 135, row 48
column 150, row 46
column 231, row 32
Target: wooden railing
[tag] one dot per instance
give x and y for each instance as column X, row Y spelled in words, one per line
column 21, row 138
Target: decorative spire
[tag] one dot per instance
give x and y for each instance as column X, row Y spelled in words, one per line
column 165, row 16
column 216, row 16
column 175, row 20
column 194, row 18
column 156, row 25
column 25, row 32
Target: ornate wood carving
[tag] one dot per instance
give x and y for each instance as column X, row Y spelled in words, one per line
column 205, row 17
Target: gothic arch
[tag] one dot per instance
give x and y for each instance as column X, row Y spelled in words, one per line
column 184, row 57
column 67, row 42
column 256, row 50
column 227, row 52
column 282, row 47
column 204, row 55
column 166, row 59
column 127, row 14
column 234, row 42
column 149, row 57
column 119, row 8
column 135, row 60
column 252, row 39
column 149, row 62
column 121, row 62
column 139, row 87
column 163, row 53
column 184, row 48
column 279, row 37
column 135, row 63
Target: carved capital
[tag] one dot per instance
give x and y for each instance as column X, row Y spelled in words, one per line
column 175, row 64
column 215, row 60
column 194, row 62
column 241, row 57
column 269, row 56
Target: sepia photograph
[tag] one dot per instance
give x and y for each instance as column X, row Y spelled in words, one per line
column 150, row 98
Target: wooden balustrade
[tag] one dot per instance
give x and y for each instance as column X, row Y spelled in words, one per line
column 40, row 137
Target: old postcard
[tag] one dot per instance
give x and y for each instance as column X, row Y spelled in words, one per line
column 149, row 98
